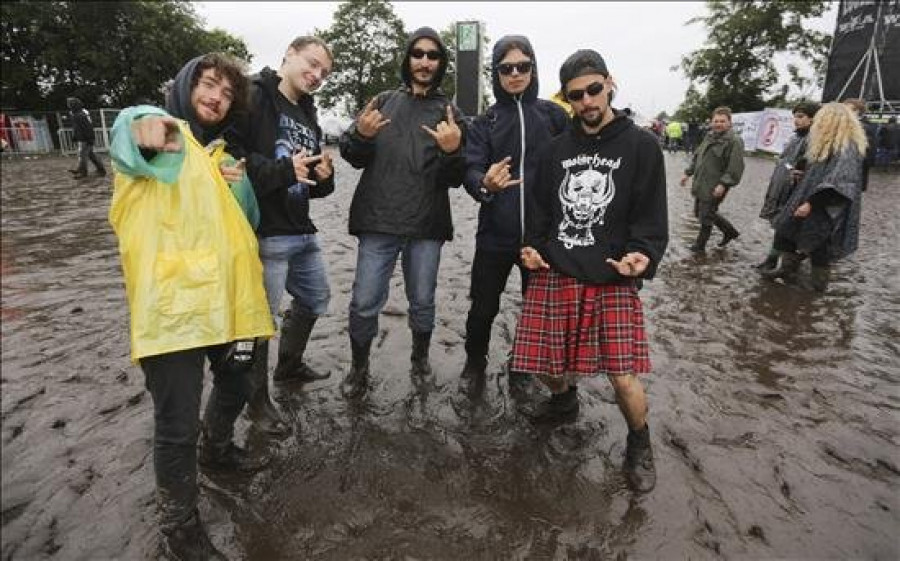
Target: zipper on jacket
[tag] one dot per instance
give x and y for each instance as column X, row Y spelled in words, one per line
column 521, row 171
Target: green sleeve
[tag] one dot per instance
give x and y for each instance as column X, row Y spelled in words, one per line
column 245, row 196
column 127, row 157
column 735, row 169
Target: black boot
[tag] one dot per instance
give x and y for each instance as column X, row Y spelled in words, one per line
column 421, row 341
column 260, row 409
column 819, row 277
column 472, row 377
column 295, row 332
column 786, row 266
column 731, row 234
column 699, row 246
column 769, row 262
column 639, row 468
column 188, row 542
column 217, row 450
column 356, row 382
column 559, row 408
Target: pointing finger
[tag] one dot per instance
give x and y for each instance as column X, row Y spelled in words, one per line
column 311, row 159
column 433, row 133
column 449, row 114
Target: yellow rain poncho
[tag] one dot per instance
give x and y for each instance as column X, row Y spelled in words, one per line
column 190, row 259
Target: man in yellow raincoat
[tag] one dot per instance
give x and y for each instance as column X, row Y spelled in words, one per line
column 194, row 282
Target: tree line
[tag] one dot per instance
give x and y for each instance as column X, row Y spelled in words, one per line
column 114, row 54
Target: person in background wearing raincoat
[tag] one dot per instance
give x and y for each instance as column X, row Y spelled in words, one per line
column 821, row 218
column 194, row 283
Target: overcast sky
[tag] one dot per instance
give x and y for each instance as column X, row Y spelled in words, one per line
column 639, row 40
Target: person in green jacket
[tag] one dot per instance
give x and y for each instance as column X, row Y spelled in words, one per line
column 716, row 167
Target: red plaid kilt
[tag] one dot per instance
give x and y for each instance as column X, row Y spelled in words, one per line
column 569, row 327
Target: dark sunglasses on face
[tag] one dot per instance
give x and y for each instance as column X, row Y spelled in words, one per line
column 419, row 53
column 593, row 89
column 521, row 67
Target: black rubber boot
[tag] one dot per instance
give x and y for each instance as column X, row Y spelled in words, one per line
column 421, row 341
column 699, row 246
column 217, row 451
column 559, row 408
column 639, row 467
column 819, row 278
column 472, row 377
column 786, row 267
column 295, row 331
column 260, row 409
column 769, row 262
column 356, row 382
column 729, row 235
column 188, row 542
column 231, row 458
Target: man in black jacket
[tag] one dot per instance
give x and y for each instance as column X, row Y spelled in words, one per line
column 409, row 142
column 501, row 159
column 83, row 134
column 282, row 144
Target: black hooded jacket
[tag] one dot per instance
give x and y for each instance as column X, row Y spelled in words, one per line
column 284, row 206
column 82, row 127
column 403, row 190
column 597, row 197
column 499, row 133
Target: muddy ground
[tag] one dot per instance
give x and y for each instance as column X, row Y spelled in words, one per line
column 775, row 412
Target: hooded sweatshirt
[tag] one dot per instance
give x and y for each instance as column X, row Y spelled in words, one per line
column 597, row 197
column 82, row 127
column 274, row 130
column 516, row 126
column 403, row 188
column 178, row 104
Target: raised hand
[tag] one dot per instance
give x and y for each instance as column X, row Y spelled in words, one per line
column 233, row 173
column 632, row 265
column 498, row 176
column 157, row 133
column 447, row 133
column 325, row 168
column 301, row 166
column 532, row 260
column 370, row 121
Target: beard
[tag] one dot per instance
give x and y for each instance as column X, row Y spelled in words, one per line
column 593, row 120
column 424, row 82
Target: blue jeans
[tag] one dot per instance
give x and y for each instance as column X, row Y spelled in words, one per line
column 295, row 263
column 375, row 261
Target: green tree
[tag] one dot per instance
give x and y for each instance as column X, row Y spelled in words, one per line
column 107, row 53
column 368, row 41
column 448, row 37
column 736, row 65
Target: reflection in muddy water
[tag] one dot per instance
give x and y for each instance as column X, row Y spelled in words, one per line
column 775, row 412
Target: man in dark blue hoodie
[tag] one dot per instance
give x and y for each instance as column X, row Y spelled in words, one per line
column 501, row 159
column 409, row 141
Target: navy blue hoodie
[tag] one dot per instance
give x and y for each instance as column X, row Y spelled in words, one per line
column 498, row 134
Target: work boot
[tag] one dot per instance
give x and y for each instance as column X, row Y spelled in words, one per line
column 521, row 386
column 639, row 469
column 188, row 542
column 421, row 341
column 231, row 458
column 729, row 235
column 819, row 277
column 472, row 377
column 260, row 409
column 769, row 262
column 559, row 408
column 356, row 382
column 295, row 331
column 699, row 246
column 786, row 266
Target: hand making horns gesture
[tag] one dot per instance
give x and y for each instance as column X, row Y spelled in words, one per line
column 301, row 166
column 157, row 133
column 446, row 134
column 370, row 121
column 498, row 176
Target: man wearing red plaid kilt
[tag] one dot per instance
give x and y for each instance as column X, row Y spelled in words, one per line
column 596, row 227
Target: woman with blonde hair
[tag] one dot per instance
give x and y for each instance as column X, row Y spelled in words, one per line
column 821, row 218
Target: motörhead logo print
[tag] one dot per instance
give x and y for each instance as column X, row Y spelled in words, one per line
column 585, row 192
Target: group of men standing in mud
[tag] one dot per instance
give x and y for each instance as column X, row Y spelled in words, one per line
column 577, row 204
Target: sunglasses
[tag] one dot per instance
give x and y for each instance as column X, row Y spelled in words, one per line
column 521, row 67
column 419, row 53
column 592, row 90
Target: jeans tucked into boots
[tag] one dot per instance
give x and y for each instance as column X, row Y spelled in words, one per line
column 295, row 331
column 356, row 382
column 260, row 409
column 421, row 341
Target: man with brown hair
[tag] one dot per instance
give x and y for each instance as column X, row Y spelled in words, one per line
column 716, row 167
column 283, row 143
